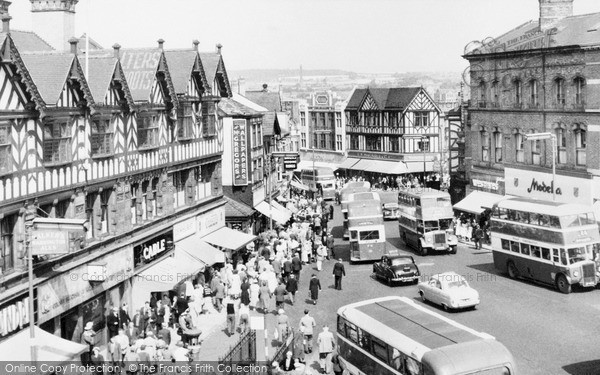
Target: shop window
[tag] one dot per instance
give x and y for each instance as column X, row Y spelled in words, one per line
column 185, row 126
column 102, row 137
column 209, row 119
column 148, row 132
column 394, row 144
column 485, row 146
column 338, row 142
column 7, row 243
column 179, row 182
column 134, row 191
column 57, row 143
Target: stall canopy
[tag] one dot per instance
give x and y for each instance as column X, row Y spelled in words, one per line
column 478, row 201
column 50, row 348
column 381, row 166
column 299, row 185
column 280, row 207
column 228, row 238
column 348, row 163
column 277, row 215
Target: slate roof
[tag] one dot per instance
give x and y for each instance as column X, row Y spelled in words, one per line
column 101, row 71
column 581, row 30
column 269, row 100
column 49, row 72
column 28, row 41
column 210, row 62
column 231, row 107
column 391, row 98
column 234, row 208
column 181, row 64
column 140, row 67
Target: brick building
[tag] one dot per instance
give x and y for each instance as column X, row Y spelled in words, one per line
column 542, row 76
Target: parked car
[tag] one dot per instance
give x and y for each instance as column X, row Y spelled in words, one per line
column 400, row 268
column 449, row 290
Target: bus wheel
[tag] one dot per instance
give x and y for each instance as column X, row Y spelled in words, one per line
column 422, row 250
column 513, row 273
column 453, row 249
column 562, row 284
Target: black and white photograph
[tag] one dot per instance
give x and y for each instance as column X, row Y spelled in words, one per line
column 300, row 187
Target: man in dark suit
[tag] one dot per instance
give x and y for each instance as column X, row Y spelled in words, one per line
column 338, row 272
column 165, row 333
column 287, row 268
column 124, row 316
column 296, row 266
column 112, row 323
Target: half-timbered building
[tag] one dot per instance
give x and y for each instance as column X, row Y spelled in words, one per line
column 392, row 131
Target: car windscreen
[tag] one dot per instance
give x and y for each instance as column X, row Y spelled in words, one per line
column 401, row 261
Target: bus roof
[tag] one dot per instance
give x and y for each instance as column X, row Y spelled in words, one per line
column 543, row 207
column 424, row 192
column 451, row 359
column 353, row 190
column 364, row 195
column 362, row 208
column 388, row 196
column 355, row 184
column 319, row 171
column 393, row 319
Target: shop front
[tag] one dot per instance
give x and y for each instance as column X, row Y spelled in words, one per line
column 540, row 185
column 85, row 294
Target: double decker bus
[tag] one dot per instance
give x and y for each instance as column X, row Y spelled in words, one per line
column 425, row 218
column 389, row 204
column 351, row 194
column 366, row 231
column 320, row 179
column 395, row 335
column 549, row 242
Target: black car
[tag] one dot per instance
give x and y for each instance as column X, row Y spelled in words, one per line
column 400, row 268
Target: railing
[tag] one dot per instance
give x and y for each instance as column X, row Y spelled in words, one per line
column 288, row 345
column 242, row 353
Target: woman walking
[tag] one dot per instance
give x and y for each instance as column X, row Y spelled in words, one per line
column 265, row 297
column 314, row 287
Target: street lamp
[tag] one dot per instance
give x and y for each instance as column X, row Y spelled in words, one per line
column 552, row 137
column 422, row 137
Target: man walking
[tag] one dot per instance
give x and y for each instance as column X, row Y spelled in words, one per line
column 292, row 287
column 478, row 236
column 307, row 324
column 280, row 293
column 326, row 343
column 338, row 272
column 296, row 266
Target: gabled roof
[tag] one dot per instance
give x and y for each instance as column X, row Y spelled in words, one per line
column 213, row 64
column 102, row 70
column 234, row 208
column 181, row 65
column 581, row 30
column 49, row 72
column 390, row 98
column 28, row 41
column 230, row 107
column 93, row 44
column 267, row 99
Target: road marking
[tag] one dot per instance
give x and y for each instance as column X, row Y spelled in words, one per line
column 425, row 264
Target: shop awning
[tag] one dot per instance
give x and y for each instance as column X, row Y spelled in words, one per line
column 169, row 272
column 381, row 166
column 348, row 163
column 478, row 201
column 196, row 247
column 280, row 207
column 277, row 215
column 299, row 185
column 228, row 238
column 50, row 348
column 417, row 166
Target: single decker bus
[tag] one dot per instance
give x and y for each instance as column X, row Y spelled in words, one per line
column 548, row 242
column 396, row 336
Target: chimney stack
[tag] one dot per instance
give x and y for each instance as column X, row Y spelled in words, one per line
column 4, row 6
column 161, row 42
column 73, row 42
column 241, row 83
column 195, row 44
column 552, row 11
column 219, row 46
column 6, row 23
column 54, row 21
column 265, row 87
column 116, row 50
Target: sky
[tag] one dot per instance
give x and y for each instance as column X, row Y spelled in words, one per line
column 363, row 36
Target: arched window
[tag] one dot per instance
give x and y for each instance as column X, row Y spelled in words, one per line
column 559, row 92
column 561, row 144
column 579, row 88
column 518, row 93
column 533, row 93
column 482, row 94
column 519, row 146
column 495, row 99
column 580, row 134
column 485, row 145
column 497, row 146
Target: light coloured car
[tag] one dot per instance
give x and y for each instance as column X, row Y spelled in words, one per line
column 449, row 290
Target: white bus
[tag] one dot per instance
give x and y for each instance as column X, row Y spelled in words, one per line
column 320, row 179
column 549, row 242
column 396, row 336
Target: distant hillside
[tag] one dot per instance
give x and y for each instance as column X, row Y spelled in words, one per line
column 269, row 75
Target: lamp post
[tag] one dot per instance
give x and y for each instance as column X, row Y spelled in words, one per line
column 552, row 137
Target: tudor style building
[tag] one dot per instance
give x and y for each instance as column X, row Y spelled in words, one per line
column 392, row 131
column 540, row 77
column 135, row 150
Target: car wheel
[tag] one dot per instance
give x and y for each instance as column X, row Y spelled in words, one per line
column 453, row 249
column 388, row 280
column 415, row 281
column 513, row 272
column 423, row 296
column 474, row 307
column 446, row 308
column 562, row 284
